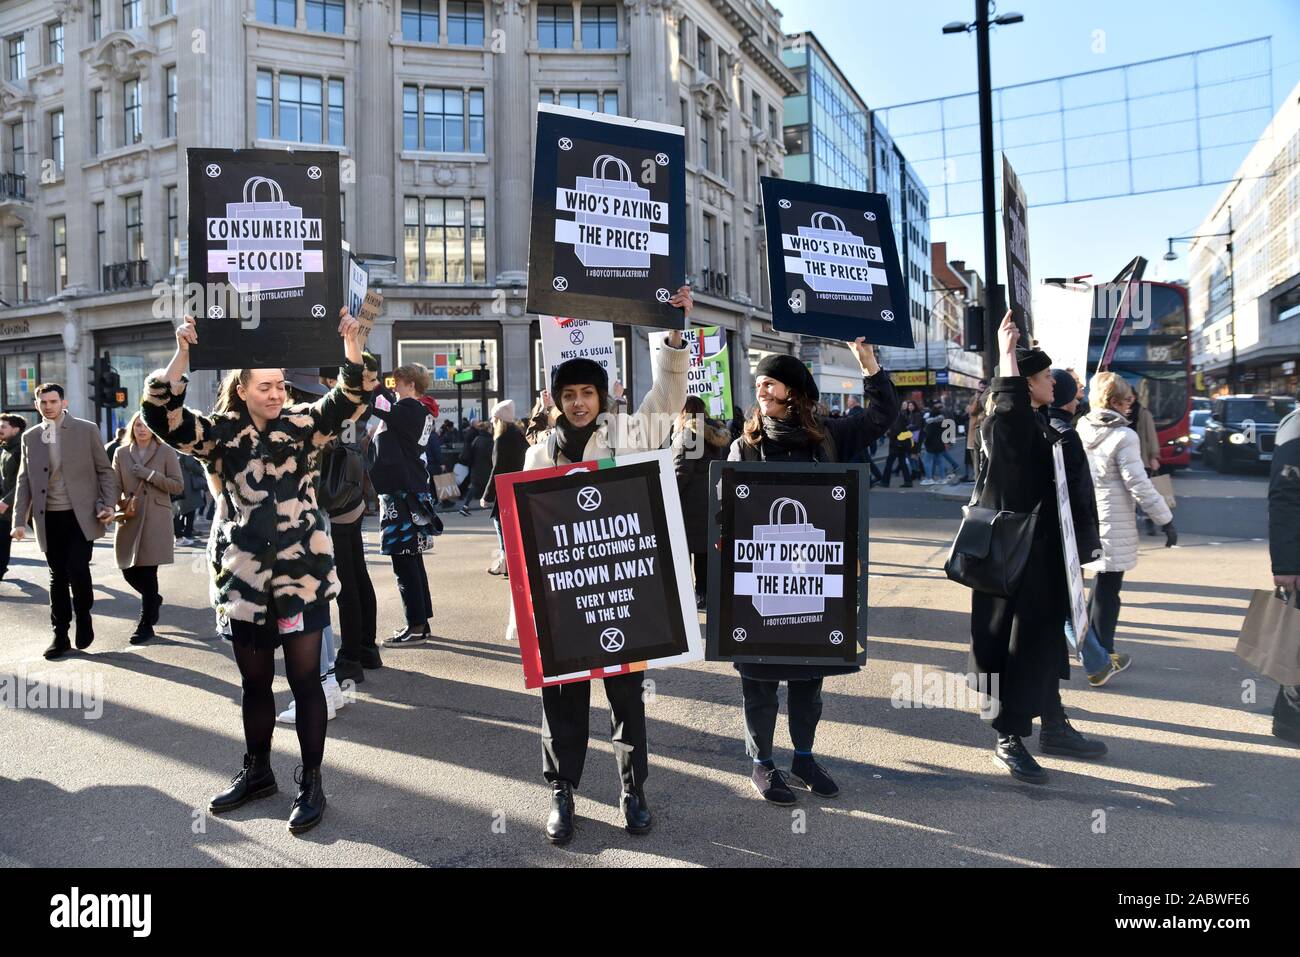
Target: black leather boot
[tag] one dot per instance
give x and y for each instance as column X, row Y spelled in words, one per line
column 144, row 627
column 254, row 780
column 1058, row 736
column 155, row 604
column 1012, row 754
column 309, row 806
column 559, row 825
column 636, row 816
column 59, row 647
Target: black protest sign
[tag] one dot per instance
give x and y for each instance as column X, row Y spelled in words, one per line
column 264, row 241
column 833, row 264
column 608, row 237
column 1015, row 233
column 601, row 573
column 786, row 584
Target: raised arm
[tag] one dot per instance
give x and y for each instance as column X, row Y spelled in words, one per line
column 338, row 406
column 163, row 402
column 855, row 432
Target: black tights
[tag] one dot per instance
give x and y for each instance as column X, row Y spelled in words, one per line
column 302, row 665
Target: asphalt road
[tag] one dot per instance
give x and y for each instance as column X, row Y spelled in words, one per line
column 436, row 760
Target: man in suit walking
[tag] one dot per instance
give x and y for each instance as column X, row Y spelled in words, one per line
column 67, row 489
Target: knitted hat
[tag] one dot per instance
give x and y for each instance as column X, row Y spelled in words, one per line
column 1032, row 361
column 790, row 372
column 578, row 372
column 504, row 410
column 1064, row 388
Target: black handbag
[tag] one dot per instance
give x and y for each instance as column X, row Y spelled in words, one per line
column 991, row 549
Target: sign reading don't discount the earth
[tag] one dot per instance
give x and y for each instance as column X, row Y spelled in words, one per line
column 599, row 570
column 608, row 233
column 833, row 264
column 264, row 238
column 785, row 582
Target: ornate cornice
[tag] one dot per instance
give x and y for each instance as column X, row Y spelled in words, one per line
column 13, row 98
column 67, row 10
column 120, row 55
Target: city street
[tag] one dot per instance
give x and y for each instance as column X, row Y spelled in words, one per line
column 436, row 759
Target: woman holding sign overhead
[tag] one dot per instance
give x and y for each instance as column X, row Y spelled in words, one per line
column 784, row 427
column 580, row 388
column 276, row 574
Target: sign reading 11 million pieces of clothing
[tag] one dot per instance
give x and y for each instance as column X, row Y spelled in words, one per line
column 833, row 264
column 608, row 238
column 264, row 248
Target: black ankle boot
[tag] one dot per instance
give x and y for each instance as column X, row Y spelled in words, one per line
column 1012, row 754
column 154, row 605
column 144, row 627
column 636, row 816
column 309, row 806
column 1058, row 736
column 559, row 825
column 255, row 780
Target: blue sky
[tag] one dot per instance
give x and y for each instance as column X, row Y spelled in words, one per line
column 893, row 52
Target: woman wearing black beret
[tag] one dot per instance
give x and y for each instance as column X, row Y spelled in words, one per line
column 783, row 426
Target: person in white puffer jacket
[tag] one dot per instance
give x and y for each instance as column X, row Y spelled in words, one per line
column 1120, row 481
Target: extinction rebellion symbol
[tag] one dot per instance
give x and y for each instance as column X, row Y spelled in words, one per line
column 662, row 295
column 575, row 337
column 213, row 170
column 588, row 498
column 313, row 172
column 837, row 637
column 560, row 283
column 566, row 144
column 742, row 491
column 739, row 634
column 611, row 639
column 318, row 311
column 837, row 493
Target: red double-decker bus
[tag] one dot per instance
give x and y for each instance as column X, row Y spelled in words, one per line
column 1139, row 330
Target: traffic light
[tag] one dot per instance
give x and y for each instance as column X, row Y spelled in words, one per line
column 119, row 397
column 106, row 385
column 974, row 328
column 470, row 375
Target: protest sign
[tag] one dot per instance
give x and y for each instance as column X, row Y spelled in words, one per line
column 608, row 238
column 787, row 580
column 1015, row 234
column 599, row 572
column 1070, row 548
column 358, row 281
column 709, row 376
column 833, row 264
column 564, row 339
column 261, row 223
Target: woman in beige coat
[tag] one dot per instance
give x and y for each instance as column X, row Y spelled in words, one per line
column 151, row 472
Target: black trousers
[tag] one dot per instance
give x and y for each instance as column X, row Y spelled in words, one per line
column 67, row 552
column 900, row 457
column 566, row 722
column 413, row 585
column 183, row 525
column 1103, row 607
column 6, row 528
column 804, row 699
column 701, row 562
column 357, row 608
column 143, row 578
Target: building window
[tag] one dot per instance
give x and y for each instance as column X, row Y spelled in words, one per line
column 134, row 228
column 343, row 215
column 773, row 127
column 744, row 175
column 723, row 165
column 706, row 244
column 304, row 117
column 130, row 14
column 60, row 231
column 132, row 113
column 599, row 26
column 410, row 117
column 280, row 12
column 445, row 240
column 54, row 43
column 170, row 80
column 681, row 36
column 96, row 19
column 325, row 15
column 265, row 105
column 99, row 137
column 173, row 229
column 555, row 26
column 465, row 22
column 56, row 139
column 610, row 105
column 420, row 20
column 101, row 240
column 706, row 154
column 452, row 121
column 17, row 156
column 17, row 56
column 20, row 263
column 756, row 110
column 587, row 100
column 703, row 51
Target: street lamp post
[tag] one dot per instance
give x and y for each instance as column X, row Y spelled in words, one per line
column 460, row 409
column 947, row 291
column 992, row 303
column 482, row 364
column 1171, row 256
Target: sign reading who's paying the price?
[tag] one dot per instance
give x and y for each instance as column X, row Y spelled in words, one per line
column 608, row 239
column 264, row 233
column 833, row 264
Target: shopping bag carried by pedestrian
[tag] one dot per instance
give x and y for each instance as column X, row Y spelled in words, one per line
column 445, row 487
column 991, row 549
column 1270, row 636
column 829, row 227
column 800, row 531
column 619, row 187
column 1165, row 486
column 276, row 207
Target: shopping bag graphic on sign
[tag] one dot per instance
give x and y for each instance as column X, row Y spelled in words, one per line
column 779, row 579
column 275, row 207
column 604, row 230
column 833, row 259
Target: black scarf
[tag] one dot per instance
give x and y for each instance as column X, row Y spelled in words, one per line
column 785, row 434
column 573, row 440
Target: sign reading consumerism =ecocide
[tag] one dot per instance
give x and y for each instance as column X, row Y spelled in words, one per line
column 785, row 578
column 264, row 251
column 833, row 264
column 608, row 237
column 599, row 571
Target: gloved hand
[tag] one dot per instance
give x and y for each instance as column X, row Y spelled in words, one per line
column 140, row 472
column 1171, row 535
